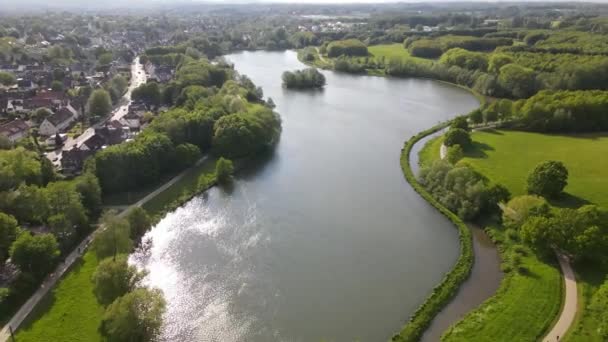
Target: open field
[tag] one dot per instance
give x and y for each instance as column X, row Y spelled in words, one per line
column 507, row 157
column 389, row 51
column 524, row 306
column 69, row 312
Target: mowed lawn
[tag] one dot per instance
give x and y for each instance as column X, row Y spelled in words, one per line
column 70, row 311
column 390, row 51
column 525, row 305
column 507, row 157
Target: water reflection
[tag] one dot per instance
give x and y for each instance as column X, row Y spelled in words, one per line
column 320, row 239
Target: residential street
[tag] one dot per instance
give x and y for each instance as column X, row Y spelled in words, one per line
column 138, row 77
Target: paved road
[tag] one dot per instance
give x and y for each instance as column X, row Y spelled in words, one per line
column 54, row 277
column 138, row 77
column 570, row 302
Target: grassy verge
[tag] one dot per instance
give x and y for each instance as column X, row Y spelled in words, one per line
column 430, row 152
column 506, row 157
column 586, row 323
column 442, row 293
column 70, row 311
column 186, row 184
column 525, row 305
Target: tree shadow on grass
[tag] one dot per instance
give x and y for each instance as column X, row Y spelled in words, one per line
column 477, row 150
column 570, row 201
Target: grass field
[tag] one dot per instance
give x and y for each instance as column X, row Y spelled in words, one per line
column 430, row 152
column 524, row 306
column 589, row 278
column 507, row 157
column 389, row 51
column 69, row 312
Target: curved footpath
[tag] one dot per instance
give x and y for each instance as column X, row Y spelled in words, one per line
column 570, row 306
column 568, row 313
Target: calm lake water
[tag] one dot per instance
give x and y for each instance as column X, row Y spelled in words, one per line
column 325, row 240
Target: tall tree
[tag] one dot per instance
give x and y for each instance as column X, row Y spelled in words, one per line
column 35, row 254
column 113, row 278
column 8, row 234
column 100, row 103
column 113, row 239
column 136, row 316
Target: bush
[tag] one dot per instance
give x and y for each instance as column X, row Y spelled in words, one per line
column 186, row 155
column 349, row 47
column 548, row 179
column 224, row 169
column 425, row 48
column 457, row 136
column 454, row 154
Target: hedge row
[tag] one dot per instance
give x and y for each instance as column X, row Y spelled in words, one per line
column 442, row 293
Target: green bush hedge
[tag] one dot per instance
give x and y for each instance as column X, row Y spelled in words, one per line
column 442, row 293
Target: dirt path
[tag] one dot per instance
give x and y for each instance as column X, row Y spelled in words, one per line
column 570, row 303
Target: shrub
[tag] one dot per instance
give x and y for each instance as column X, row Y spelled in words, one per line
column 349, row 47
column 425, row 48
column 224, row 169
column 548, row 179
column 457, row 136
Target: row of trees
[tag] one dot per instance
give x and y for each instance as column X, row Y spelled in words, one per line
column 348, row 47
column 132, row 311
column 219, row 111
column 302, row 79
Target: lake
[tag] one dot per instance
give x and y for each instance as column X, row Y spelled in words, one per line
column 324, row 239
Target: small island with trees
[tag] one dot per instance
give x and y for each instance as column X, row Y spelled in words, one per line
column 309, row 78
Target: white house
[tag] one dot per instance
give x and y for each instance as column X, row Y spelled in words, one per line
column 57, row 122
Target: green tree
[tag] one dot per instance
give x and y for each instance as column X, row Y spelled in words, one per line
column 149, row 93
column 538, row 231
column 186, row 155
column 114, row 278
column 460, row 122
column 139, row 222
column 35, row 254
column 457, row 136
column 454, row 154
column 224, row 169
column 7, row 78
column 8, row 234
column 119, row 85
column 63, row 230
column 57, row 86
column 136, row 316
column 520, row 208
column 114, row 238
column 597, row 309
column 520, row 81
column 87, row 186
column 548, row 179
column 476, row 116
column 100, row 103
column 105, row 58
column 497, row 61
column 29, row 204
